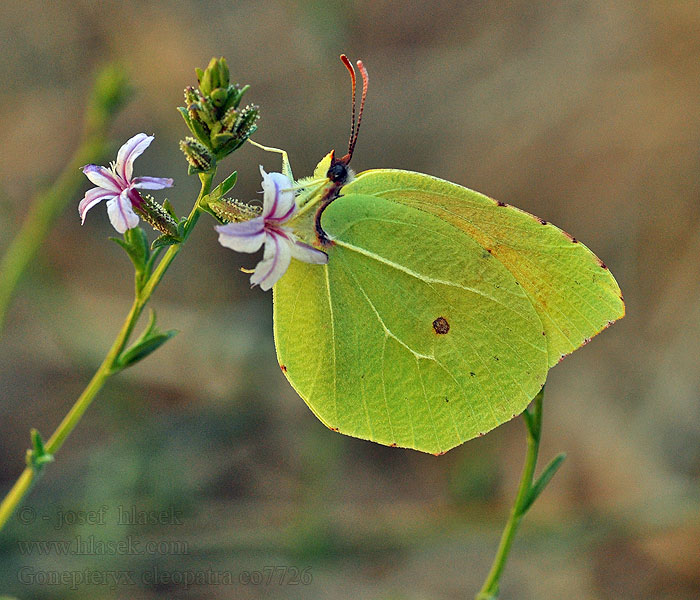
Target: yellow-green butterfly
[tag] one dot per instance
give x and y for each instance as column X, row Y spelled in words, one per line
column 439, row 311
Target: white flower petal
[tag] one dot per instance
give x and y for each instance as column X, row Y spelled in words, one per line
column 308, row 254
column 92, row 197
column 278, row 199
column 103, row 178
column 121, row 214
column 275, row 261
column 246, row 236
column 151, row 183
column 129, row 152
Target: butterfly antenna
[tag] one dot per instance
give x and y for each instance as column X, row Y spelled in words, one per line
column 365, row 84
column 351, row 70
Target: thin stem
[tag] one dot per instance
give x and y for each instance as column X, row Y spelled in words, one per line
column 15, row 495
column 169, row 256
column 108, row 366
column 533, row 419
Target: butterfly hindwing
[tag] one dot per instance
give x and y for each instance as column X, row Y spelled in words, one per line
column 413, row 334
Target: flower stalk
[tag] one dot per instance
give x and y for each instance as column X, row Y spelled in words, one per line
column 110, row 365
column 527, row 494
column 117, row 186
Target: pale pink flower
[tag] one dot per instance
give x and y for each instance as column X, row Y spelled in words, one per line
column 116, row 185
column 281, row 245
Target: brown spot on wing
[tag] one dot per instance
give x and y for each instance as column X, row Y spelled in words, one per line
column 441, row 326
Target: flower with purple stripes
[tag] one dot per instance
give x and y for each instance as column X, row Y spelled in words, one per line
column 281, row 244
column 116, row 185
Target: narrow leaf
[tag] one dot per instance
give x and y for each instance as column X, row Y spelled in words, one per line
column 141, row 350
column 542, row 481
column 149, row 341
column 227, row 184
column 169, row 208
column 135, row 243
column 37, row 457
column 186, row 117
column 220, row 190
column 164, row 240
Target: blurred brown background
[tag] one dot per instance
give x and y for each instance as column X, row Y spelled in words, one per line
column 584, row 113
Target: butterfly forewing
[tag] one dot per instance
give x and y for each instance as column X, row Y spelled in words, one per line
column 570, row 288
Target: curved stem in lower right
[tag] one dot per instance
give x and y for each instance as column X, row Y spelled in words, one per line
column 523, row 501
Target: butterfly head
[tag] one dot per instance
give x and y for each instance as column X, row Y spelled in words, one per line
column 339, row 172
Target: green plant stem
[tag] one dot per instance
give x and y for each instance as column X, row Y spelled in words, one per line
column 108, row 366
column 108, row 95
column 533, row 419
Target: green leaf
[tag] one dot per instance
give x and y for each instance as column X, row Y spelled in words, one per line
column 222, row 189
column 37, row 457
column 227, row 184
column 219, row 139
column 165, row 240
column 542, row 481
column 200, row 132
column 186, row 117
column 149, row 341
column 135, row 243
column 439, row 313
column 144, row 348
column 169, row 209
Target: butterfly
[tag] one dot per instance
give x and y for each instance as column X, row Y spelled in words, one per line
column 438, row 311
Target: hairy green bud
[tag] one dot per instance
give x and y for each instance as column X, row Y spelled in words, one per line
column 196, row 154
column 230, row 210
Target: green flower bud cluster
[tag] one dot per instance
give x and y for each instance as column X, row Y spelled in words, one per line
column 214, row 116
column 231, row 210
column 161, row 217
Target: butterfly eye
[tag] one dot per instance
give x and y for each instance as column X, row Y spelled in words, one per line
column 338, row 173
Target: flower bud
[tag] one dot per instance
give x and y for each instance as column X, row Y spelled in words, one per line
column 213, row 116
column 191, row 96
column 219, row 97
column 158, row 217
column 196, row 154
column 245, row 124
column 231, row 210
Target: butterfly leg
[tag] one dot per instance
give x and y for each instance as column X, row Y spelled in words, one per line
column 286, row 166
